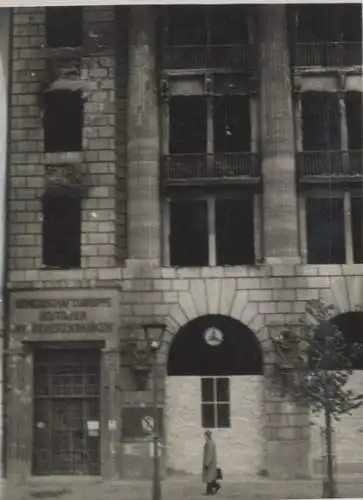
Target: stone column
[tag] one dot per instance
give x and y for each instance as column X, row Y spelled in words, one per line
column 277, row 137
column 19, row 421
column 143, row 206
column 110, row 414
column 4, row 73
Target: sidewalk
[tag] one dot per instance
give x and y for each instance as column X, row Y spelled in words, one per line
column 189, row 488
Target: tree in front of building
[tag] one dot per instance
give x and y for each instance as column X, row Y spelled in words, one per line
column 319, row 364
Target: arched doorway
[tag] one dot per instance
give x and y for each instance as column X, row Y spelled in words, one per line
column 348, row 435
column 215, row 381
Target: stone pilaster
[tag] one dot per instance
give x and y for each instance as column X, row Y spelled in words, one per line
column 110, row 414
column 4, row 74
column 281, row 243
column 18, row 417
column 143, row 222
column 287, row 425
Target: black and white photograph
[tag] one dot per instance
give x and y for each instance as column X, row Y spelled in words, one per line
column 181, row 250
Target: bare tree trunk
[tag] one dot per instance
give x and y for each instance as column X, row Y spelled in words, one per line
column 329, row 487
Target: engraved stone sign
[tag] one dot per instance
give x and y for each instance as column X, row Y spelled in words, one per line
column 63, row 312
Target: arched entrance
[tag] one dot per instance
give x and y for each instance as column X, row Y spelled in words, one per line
column 215, row 381
column 348, row 436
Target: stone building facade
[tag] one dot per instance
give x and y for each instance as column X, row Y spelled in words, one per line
column 104, row 168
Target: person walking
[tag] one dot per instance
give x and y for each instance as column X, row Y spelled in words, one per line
column 210, row 465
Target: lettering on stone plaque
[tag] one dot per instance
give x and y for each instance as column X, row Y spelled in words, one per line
column 52, row 315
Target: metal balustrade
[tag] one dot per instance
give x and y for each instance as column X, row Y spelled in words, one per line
column 337, row 165
column 328, row 54
column 193, row 167
column 212, row 57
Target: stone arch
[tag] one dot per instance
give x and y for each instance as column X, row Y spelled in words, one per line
column 345, row 293
column 215, row 296
column 239, row 352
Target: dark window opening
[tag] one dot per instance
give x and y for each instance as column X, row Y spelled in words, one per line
column 63, row 121
column 325, row 231
column 357, row 229
column 62, row 232
column 228, row 25
column 351, row 19
column 234, row 232
column 321, row 121
column 329, row 23
column 215, row 403
column 351, row 327
column 188, row 125
column 187, row 25
column 188, row 233
column 64, row 27
column 354, row 113
column 232, row 124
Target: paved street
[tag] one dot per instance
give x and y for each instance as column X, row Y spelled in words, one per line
column 188, row 488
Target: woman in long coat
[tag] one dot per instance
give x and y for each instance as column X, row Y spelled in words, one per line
column 210, row 464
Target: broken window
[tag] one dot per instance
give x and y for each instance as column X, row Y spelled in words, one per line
column 321, row 121
column 188, row 125
column 232, row 125
column 64, row 27
column 189, row 233
column 63, row 121
column 354, row 114
column 62, row 232
column 357, row 228
column 234, row 228
column 325, row 230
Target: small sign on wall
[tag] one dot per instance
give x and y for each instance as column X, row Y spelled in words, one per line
column 93, row 428
column 132, row 449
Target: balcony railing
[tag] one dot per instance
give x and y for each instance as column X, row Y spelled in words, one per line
column 211, row 57
column 194, row 168
column 328, row 54
column 332, row 165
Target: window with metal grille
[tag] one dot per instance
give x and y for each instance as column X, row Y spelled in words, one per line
column 320, row 121
column 63, row 26
column 63, row 121
column 215, row 392
column 62, row 232
column 325, row 230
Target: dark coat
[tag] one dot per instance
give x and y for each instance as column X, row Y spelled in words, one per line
column 209, row 462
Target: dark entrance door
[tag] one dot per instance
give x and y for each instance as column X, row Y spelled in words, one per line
column 66, row 412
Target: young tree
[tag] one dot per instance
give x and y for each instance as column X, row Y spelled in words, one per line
column 320, row 364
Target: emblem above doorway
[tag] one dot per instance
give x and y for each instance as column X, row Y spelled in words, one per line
column 213, row 336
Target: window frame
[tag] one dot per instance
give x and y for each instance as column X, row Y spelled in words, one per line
column 346, row 196
column 215, row 402
column 212, row 249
